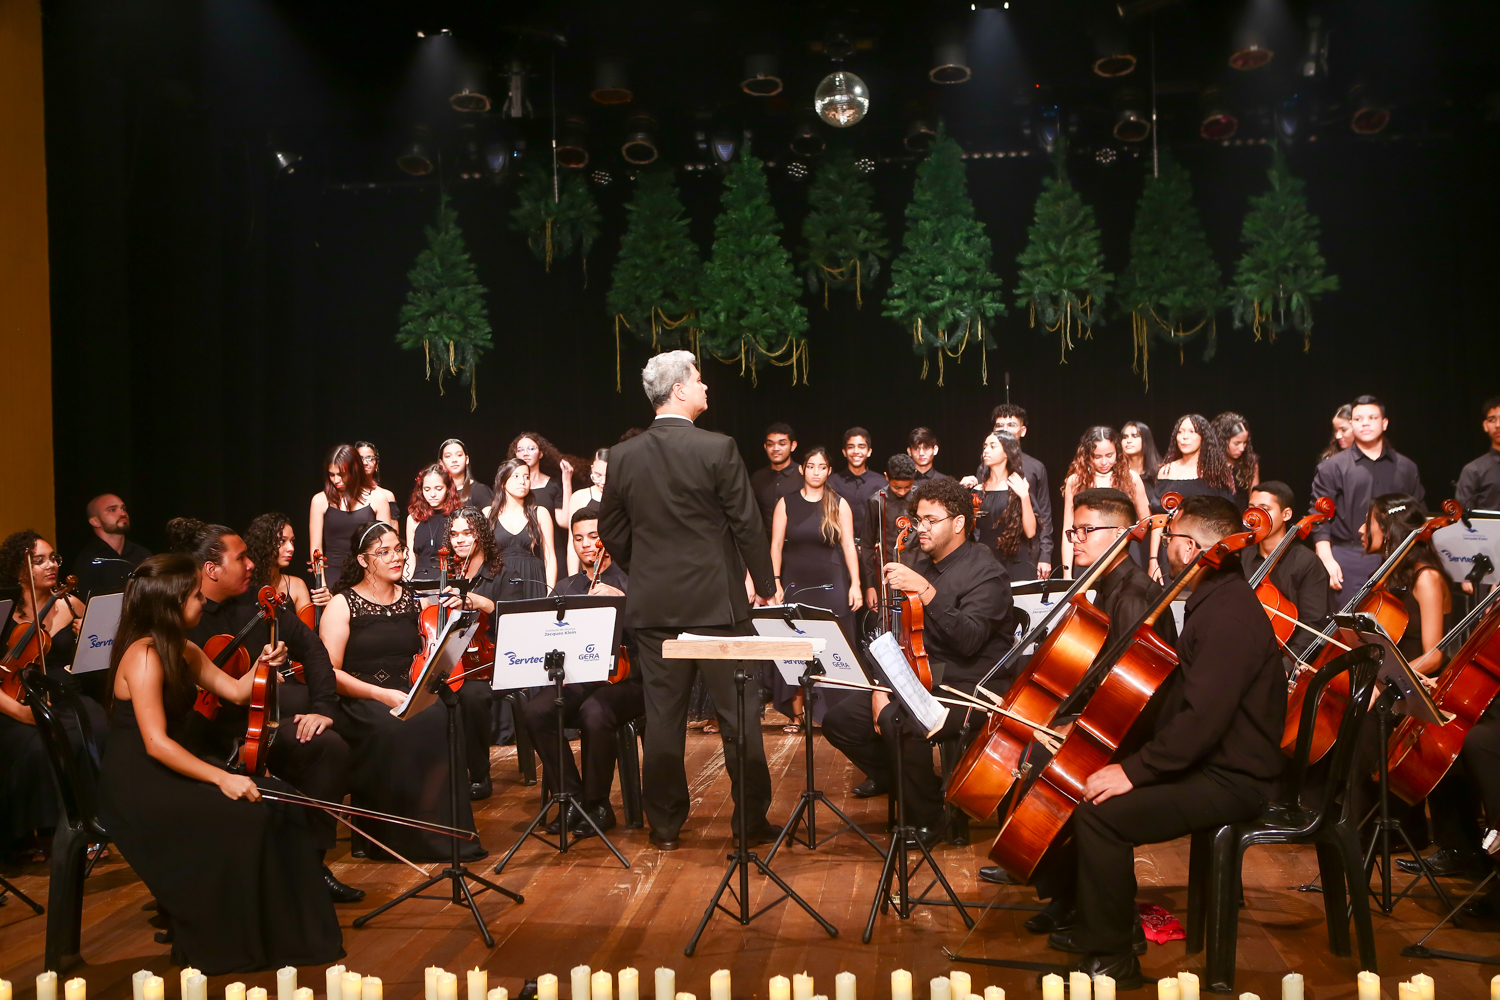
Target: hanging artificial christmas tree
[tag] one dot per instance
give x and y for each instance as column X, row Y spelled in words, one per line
column 1281, row 272
column 1172, row 286
column 445, row 308
column 843, row 244
column 655, row 288
column 750, row 310
column 556, row 226
column 1062, row 274
column 942, row 287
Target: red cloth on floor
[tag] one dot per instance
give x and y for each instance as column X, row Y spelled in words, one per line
column 1159, row 924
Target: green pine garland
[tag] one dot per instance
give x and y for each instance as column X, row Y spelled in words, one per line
column 843, row 243
column 1062, row 268
column 554, row 229
column 445, row 307
column 1172, row 286
column 1281, row 272
column 750, row 310
column 942, row 287
column 656, row 278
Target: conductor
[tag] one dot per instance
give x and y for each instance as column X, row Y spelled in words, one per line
column 679, row 516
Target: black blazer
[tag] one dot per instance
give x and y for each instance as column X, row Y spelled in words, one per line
column 679, row 516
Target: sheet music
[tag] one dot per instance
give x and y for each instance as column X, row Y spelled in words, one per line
column 96, row 636
column 929, row 713
column 446, row 650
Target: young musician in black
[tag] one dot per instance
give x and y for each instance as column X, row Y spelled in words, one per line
column 967, row 611
column 886, row 505
column 781, row 475
column 104, row 561
column 1479, row 483
column 1011, row 419
column 858, row 482
column 596, row 709
column 1299, row 575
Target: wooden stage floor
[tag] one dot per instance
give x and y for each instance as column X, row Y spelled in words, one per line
column 583, row 908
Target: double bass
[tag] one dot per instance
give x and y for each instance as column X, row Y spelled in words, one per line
column 995, row 759
column 228, row 651
column 1373, row 600
column 31, row 644
column 1283, row 612
column 1133, row 669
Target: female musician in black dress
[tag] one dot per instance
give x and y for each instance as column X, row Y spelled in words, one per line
column 271, row 543
column 551, row 485
column 479, row 567
column 1096, row 464
column 1006, row 523
column 523, row 531
column 1343, row 431
column 1196, row 464
column 455, row 458
column 397, row 766
column 344, row 506
column 1234, row 430
column 433, row 498
column 238, row 878
column 369, row 457
column 1419, row 581
column 812, row 545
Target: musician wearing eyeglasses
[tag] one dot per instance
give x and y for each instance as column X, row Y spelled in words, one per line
column 967, row 611
column 1299, row 575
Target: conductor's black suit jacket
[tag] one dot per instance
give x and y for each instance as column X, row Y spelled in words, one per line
column 679, row 516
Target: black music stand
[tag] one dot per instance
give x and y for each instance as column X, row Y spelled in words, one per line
column 741, row 858
column 435, row 680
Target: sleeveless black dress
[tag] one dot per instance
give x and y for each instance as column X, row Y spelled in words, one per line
column 525, row 574
column 808, row 561
column 1021, row 565
column 241, row 882
column 426, row 540
column 339, row 529
column 397, row 766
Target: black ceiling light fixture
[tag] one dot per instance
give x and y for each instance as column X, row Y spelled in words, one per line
column 286, row 161
column 1369, row 115
column 516, row 104
column 807, row 137
column 611, row 85
column 761, row 75
column 1251, row 50
column 1132, row 116
column 1112, row 55
column 950, row 63
column 470, row 89
column 1216, row 122
column 919, row 135
column 639, row 147
column 573, row 142
column 415, row 157
column 1315, row 60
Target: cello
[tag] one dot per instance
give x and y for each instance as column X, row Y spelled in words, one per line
column 1283, row 612
column 1372, row 600
column 1420, row 753
column 227, row 651
column 32, row 644
column 994, row 761
column 1133, row 668
column 265, row 718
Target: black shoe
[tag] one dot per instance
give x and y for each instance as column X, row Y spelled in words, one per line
column 481, row 789
column 762, row 833
column 575, row 820
column 869, row 788
column 603, row 816
column 338, row 891
column 1124, row 969
column 996, row 875
column 928, row 836
column 1068, row 941
column 1444, row 863
column 1058, row 915
column 664, row 843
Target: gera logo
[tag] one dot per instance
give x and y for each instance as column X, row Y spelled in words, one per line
column 589, row 653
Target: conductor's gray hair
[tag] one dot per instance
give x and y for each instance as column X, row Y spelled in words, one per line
column 663, row 372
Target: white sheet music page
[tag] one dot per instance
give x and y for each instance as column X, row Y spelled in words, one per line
column 928, row 711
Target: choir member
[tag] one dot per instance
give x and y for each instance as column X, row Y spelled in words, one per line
column 342, row 508
column 551, row 486
column 1139, row 450
column 1479, row 483
column 922, row 446
column 781, row 475
column 858, row 482
column 455, row 458
column 105, row 560
column 1343, row 432
column 271, row 543
column 369, row 457
column 1234, row 431
column 1097, row 465
column 1195, row 465
column 433, row 498
column 1011, row 419
column 524, row 533
column 598, row 470
column 1006, row 524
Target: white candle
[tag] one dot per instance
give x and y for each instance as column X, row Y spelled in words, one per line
column 1104, row 988
column 183, row 978
column 1080, row 986
column 331, row 974
column 580, row 982
column 602, row 986
column 349, row 986
column 900, row 985
column 1249, row 996
column 996, row 993
column 498, row 993
column 234, row 991
column 76, row 989
column 718, row 985
column 197, row 987
column 479, row 983
column 1291, row 986
column 1187, row 985
column 1495, row 988
column 546, row 987
column 137, row 985
column 1167, row 989
column 802, row 986
column 371, row 988
column 1052, row 986
column 629, row 982
column 303, row 993
column 256, row 993
column 780, row 988
column 447, row 986
column 1406, row 991
column 666, row 984
column 5, row 989
column 961, row 984
column 1426, row 988
column 939, row 988
column 429, row 982
column 156, row 988
column 843, row 986
column 1368, row 984
column 286, row 983
column 685, row 996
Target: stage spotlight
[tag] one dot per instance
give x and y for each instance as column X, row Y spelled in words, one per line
column 1215, row 121
column 807, row 138
column 865, row 165
column 1105, row 155
column 286, row 161
column 1369, row 115
column 469, row 88
column 416, row 156
column 602, row 178
column 919, row 136
column 761, row 79
column 516, row 105
column 950, row 64
column 1048, row 127
column 1287, row 119
column 797, row 170
column 725, row 145
column 640, row 140
column 841, row 99
column 610, row 83
column 1251, row 50
column 573, row 142
column 1315, row 62
column 1112, row 55
column 1132, row 121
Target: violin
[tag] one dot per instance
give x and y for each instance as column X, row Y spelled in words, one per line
column 318, row 566
column 621, row 669
column 228, row 651
column 1133, row 668
column 32, row 644
column 265, row 718
column 430, row 620
column 1283, row 612
column 1420, row 753
column 994, row 761
column 1374, row 600
column 909, row 635
column 478, row 660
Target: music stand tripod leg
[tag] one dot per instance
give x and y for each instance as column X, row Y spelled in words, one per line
column 8, row 886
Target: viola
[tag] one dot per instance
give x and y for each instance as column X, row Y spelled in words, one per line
column 911, row 625
column 264, row 718
column 31, row 645
column 1420, row 753
column 228, row 651
column 1132, row 670
column 1374, row 600
column 318, row 566
column 430, row 620
column 994, row 761
column 1283, row 612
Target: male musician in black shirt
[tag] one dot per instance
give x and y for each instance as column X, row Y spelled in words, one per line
column 1011, row 418
column 1215, row 755
column 884, row 507
column 858, row 483
column 104, row 561
column 307, row 752
column 967, row 611
column 781, row 475
column 1299, row 575
column 922, row 446
column 1479, row 483
column 596, row 709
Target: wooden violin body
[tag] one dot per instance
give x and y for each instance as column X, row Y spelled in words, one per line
column 228, row 651
column 31, row 644
column 1282, row 612
column 911, row 621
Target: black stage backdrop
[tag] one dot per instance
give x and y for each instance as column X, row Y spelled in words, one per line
column 217, row 328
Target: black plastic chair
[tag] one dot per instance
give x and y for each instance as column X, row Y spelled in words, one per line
column 1214, row 875
column 67, row 736
column 525, row 752
column 628, row 763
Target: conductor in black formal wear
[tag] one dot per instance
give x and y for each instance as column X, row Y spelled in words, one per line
column 679, row 516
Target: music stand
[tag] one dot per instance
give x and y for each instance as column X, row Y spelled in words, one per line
column 432, row 684
column 96, row 634
column 1420, row 949
column 741, row 858
column 795, row 621
column 591, row 626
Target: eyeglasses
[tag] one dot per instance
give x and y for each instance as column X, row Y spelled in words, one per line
column 1169, row 535
column 398, row 553
column 928, row 522
column 1082, row 532
column 52, row 557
